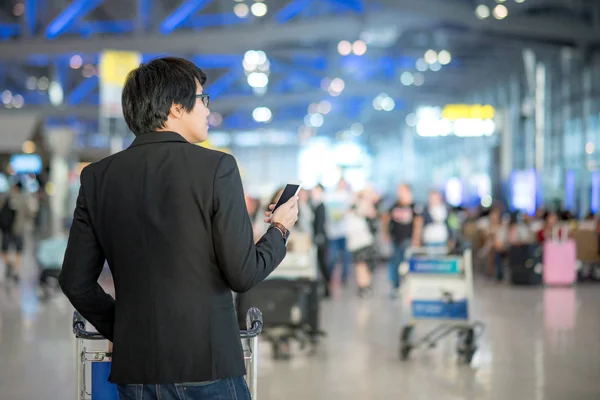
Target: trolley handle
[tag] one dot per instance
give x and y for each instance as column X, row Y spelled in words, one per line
column 254, row 324
column 79, row 329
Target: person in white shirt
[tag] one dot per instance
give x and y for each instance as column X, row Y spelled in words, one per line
column 337, row 205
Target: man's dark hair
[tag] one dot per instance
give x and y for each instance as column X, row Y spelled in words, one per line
column 152, row 88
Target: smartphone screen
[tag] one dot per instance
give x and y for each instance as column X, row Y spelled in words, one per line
column 291, row 189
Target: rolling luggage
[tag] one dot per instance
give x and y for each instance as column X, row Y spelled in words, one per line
column 560, row 260
column 284, row 303
column 525, row 263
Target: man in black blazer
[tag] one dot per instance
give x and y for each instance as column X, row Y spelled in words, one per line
column 170, row 219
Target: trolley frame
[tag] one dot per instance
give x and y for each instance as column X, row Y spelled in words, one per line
column 466, row 327
column 84, row 356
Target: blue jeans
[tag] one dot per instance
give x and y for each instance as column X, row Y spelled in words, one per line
column 222, row 389
column 337, row 248
column 396, row 259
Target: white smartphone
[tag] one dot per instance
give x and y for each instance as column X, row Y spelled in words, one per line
column 291, row 189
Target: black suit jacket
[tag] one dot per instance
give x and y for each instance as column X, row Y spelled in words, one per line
column 170, row 219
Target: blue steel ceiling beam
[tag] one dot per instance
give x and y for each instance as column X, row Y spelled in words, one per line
column 143, row 16
column 294, row 8
column 357, row 6
column 30, row 17
column 224, row 82
column 203, row 21
column 9, row 30
column 70, row 16
column 88, row 28
column 181, row 14
column 81, row 91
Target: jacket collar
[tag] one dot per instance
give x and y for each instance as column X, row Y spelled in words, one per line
column 158, row 137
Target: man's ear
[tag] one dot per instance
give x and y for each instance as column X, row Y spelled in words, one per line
column 176, row 110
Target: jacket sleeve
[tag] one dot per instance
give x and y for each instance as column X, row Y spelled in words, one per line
column 82, row 265
column 243, row 263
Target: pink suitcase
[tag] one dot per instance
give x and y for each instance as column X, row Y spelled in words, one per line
column 560, row 261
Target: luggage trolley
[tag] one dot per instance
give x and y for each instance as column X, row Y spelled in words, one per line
column 439, row 287
column 100, row 358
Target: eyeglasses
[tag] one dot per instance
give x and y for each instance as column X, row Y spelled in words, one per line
column 205, row 98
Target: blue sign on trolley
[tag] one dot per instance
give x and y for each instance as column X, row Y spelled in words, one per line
column 434, row 266
column 440, row 309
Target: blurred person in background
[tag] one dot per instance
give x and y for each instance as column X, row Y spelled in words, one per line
column 16, row 214
column 305, row 213
column 170, row 219
column 551, row 223
column 320, row 233
column 367, row 201
column 337, row 205
column 436, row 230
column 405, row 226
column 360, row 243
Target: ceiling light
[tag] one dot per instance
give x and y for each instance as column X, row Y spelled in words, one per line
column 258, row 80
column 482, row 11
column 357, row 129
column 76, row 62
column 406, row 78
column 431, row 56
column 388, row 104
column 31, row 83
column 324, row 107
column 18, row 101
column 259, row 9
column 215, row 119
column 88, row 71
column 422, row 65
column 261, row 57
column 344, row 47
column 29, row 147
column 435, row 67
column 418, row 79
column 55, row 93
column 241, row 10
column 519, row 1
column 6, row 97
column 377, row 103
column 43, row 83
column 589, row 147
column 500, row 11
column 251, row 57
column 316, row 120
column 262, row 114
column 359, row 47
column 18, row 9
column 411, row 120
column 444, row 57
column 337, row 85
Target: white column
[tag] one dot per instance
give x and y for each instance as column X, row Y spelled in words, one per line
column 60, row 142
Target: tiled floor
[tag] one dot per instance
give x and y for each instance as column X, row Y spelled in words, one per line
column 538, row 345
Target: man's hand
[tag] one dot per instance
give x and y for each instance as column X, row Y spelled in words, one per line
column 286, row 214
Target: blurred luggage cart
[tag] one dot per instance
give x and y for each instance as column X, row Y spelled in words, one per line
column 438, row 287
column 290, row 299
column 93, row 365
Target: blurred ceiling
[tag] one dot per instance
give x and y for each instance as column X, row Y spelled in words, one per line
column 413, row 51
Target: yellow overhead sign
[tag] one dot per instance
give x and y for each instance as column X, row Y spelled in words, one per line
column 116, row 65
column 453, row 112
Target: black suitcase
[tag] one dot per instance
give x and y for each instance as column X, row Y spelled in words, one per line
column 525, row 263
column 283, row 303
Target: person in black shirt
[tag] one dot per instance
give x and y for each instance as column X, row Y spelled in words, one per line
column 405, row 226
column 320, row 234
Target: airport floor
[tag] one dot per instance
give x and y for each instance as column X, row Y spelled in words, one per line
column 539, row 344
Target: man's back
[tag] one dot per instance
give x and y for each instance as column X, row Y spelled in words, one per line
column 170, row 219
column 168, row 216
